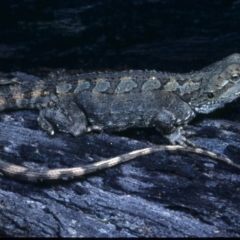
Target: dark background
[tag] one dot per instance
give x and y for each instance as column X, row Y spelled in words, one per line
column 162, row 194
column 98, row 35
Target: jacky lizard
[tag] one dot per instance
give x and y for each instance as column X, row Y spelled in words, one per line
column 114, row 101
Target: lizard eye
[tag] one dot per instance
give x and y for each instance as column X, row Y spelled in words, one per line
column 210, row 95
column 234, row 77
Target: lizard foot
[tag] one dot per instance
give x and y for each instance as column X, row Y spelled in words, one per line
column 67, row 117
column 178, row 137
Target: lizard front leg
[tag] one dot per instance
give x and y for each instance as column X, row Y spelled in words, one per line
column 170, row 122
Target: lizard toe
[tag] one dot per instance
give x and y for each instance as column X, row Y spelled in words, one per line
column 178, row 137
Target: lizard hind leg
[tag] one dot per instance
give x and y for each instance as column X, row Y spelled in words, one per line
column 67, row 117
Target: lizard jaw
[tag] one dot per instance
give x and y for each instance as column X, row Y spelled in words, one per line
column 208, row 108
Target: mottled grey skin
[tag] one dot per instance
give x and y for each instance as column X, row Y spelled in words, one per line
column 114, row 101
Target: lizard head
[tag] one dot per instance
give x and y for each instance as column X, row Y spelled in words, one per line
column 220, row 85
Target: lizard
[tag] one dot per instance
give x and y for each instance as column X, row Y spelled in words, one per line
column 115, row 101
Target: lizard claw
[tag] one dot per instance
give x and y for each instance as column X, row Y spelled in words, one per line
column 189, row 143
column 190, row 133
column 94, row 128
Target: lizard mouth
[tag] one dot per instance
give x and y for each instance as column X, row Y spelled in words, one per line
column 211, row 106
column 207, row 108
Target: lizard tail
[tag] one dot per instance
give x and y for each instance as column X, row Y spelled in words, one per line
column 36, row 175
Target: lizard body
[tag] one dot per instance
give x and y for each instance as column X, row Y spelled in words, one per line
column 114, row 101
